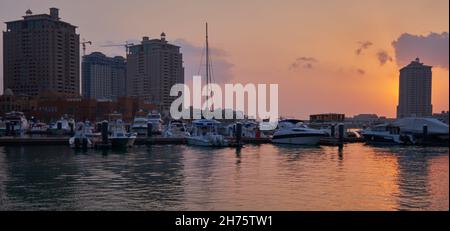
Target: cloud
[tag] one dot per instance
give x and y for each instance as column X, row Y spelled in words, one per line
column 363, row 45
column 432, row 49
column 303, row 62
column 383, row 57
column 194, row 61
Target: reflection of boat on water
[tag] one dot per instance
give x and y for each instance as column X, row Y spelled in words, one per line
column 204, row 133
column 176, row 129
column 292, row 131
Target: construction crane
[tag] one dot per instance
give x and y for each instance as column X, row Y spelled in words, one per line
column 83, row 44
column 126, row 45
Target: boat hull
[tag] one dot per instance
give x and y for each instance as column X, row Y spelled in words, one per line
column 141, row 131
column 122, row 142
column 381, row 139
column 198, row 141
column 297, row 140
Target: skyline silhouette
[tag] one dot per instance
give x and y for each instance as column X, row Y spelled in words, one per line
column 332, row 56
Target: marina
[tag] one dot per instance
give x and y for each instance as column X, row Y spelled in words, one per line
column 180, row 106
column 106, row 134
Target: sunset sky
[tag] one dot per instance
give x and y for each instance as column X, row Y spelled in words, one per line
column 327, row 56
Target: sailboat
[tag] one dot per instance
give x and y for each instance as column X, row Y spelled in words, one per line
column 204, row 131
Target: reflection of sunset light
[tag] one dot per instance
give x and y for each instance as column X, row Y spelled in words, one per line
column 438, row 174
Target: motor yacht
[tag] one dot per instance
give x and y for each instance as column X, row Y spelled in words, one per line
column 435, row 129
column 155, row 119
column 205, row 133
column 62, row 126
column 176, row 129
column 139, row 125
column 250, row 129
column 119, row 137
column 385, row 134
column 292, row 131
column 84, row 136
column 17, row 123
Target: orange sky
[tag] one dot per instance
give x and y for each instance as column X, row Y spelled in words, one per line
column 261, row 39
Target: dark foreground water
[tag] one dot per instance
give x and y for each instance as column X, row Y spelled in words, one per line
column 264, row 177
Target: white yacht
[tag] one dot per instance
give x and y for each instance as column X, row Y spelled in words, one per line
column 205, row 133
column 17, row 122
column 139, row 125
column 266, row 126
column 118, row 135
column 408, row 130
column 292, row 131
column 414, row 126
column 383, row 134
column 62, row 126
column 155, row 119
column 176, row 129
column 84, row 136
column 250, row 129
column 38, row 128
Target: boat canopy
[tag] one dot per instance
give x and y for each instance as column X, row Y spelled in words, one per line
column 416, row 124
column 205, row 122
column 292, row 121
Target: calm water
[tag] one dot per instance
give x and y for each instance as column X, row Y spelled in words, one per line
column 264, row 177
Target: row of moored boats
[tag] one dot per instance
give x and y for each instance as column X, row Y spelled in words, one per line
column 209, row 132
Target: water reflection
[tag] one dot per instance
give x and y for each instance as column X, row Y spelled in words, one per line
column 256, row 177
column 414, row 175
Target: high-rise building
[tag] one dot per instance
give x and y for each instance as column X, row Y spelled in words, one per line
column 41, row 53
column 103, row 77
column 153, row 67
column 415, row 90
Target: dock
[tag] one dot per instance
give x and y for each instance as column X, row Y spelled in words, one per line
column 38, row 140
column 64, row 140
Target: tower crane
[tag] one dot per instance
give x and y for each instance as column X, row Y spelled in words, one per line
column 83, row 44
column 126, row 45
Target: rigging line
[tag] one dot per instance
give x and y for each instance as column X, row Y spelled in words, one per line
column 201, row 61
column 212, row 70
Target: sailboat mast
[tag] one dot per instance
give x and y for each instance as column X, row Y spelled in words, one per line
column 207, row 62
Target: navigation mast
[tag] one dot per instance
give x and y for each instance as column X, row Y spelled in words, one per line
column 208, row 81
